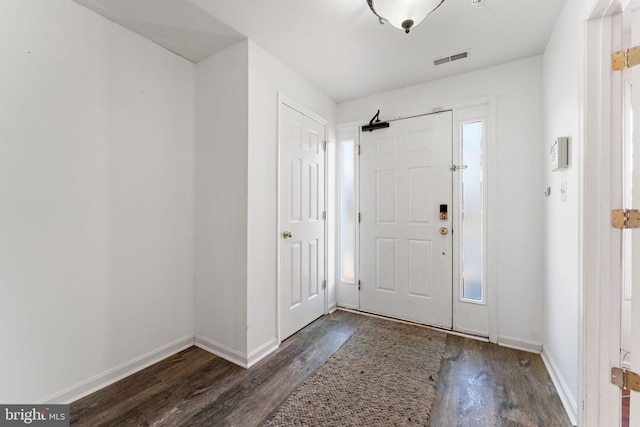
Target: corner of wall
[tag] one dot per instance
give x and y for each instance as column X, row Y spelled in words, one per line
column 268, row 79
column 221, row 200
column 563, row 390
column 561, row 65
column 97, row 202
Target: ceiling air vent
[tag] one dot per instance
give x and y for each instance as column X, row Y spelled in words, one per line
column 451, row 58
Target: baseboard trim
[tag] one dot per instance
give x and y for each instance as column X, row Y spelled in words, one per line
column 221, row 350
column 97, row 382
column 520, row 344
column 332, row 307
column 472, row 332
column 569, row 404
column 262, row 352
column 234, row 356
column 348, row 307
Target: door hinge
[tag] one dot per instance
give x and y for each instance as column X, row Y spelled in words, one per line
column 324, row 145
column 626, row 380
column 358, row 148
column 359, row 217
column 626, row 58
column 359, row 284
column 324, row 214
column 625, row 218
column 324, row 284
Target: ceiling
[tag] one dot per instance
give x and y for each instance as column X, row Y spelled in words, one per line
column 338, row 45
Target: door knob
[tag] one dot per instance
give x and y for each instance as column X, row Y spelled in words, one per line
column 444, row 231
column 287, row 234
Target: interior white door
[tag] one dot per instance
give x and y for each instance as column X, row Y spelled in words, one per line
column 405, row 248
column 302, row 226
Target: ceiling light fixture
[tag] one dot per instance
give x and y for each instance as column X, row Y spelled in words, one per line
column 403, row 14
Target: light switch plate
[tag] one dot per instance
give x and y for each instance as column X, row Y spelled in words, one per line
column 563, row 190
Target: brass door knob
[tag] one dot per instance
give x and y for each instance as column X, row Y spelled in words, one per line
column 287, row 234
column 444, row 231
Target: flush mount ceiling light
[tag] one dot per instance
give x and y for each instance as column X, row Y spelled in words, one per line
column 403, row 14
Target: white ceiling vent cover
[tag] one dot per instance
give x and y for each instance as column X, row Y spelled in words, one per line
column 447, row 59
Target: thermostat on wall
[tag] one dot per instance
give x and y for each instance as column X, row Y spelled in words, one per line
column 560, row 154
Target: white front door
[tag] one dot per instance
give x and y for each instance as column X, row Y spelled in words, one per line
column 302, row 225
column 406, row 249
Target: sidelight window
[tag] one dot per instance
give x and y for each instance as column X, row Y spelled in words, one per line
column 472, row 211
column 347, row 211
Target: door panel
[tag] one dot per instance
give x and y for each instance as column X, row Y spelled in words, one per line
column 405, row 262
column 302, row 194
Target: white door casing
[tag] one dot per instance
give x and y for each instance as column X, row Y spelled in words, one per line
column 405, row 261
column 635, row 251
column 472, row 317
column 626, row 194
column 600, row 264
column 301, row 204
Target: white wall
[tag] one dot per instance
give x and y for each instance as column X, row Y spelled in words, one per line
column 267, row 78
column 518, row 222
column 236, row 192
column 561, row 88
column 96, row 199
column 221, row 199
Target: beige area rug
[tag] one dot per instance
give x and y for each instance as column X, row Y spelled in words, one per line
column 384, row 375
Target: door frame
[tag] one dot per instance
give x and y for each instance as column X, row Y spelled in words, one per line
column 351, row 130
column 599, row 244
column 283, row 100
column 346, row 132
column 490, row 219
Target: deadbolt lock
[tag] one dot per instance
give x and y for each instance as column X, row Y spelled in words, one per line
column 444, row 215
column 444, row 231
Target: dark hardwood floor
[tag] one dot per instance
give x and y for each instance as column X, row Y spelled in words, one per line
column 195, row 387
column 480, row 385
column 483, row 384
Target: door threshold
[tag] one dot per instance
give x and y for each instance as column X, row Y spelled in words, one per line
column 422, row 325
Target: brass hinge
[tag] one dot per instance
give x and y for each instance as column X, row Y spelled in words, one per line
column 324, row 214
column 625, row 218
column 624, row 379
column 626, row 58
column 359, row 217
column 359, row 284
column 324, row 284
